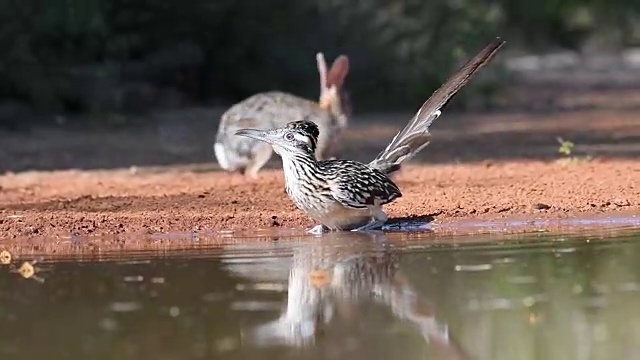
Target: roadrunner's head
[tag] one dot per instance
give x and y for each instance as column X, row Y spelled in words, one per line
column 294, row 138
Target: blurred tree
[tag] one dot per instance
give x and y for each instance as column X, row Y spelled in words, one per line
column 124, row 55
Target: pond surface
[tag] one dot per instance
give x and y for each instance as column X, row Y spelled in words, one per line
column 342, row 296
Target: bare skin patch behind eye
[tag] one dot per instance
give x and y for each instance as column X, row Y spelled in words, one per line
column 302, row 138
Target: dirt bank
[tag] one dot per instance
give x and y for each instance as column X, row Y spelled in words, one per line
column 118, row 201
column 107, row 202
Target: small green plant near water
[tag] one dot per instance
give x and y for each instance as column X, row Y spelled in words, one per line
column 565, row 146
column 566, row 149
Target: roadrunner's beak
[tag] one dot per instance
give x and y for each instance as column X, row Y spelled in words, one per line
column 261, row 135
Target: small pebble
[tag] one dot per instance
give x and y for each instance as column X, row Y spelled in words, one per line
column 622, row 202
column 541, row 206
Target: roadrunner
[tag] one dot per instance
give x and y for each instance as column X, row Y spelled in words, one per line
column 345, row 194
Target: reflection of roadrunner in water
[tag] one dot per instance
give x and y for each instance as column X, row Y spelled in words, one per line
column 327, row 281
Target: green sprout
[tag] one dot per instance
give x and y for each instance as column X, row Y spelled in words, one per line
column 566, row 149
column 565, row 146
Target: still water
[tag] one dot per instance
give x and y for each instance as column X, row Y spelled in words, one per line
column 343, row 296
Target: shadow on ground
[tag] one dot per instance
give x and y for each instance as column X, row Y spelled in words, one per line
column 186, row 137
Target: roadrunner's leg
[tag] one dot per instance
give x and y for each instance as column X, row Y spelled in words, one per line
column 379, row 218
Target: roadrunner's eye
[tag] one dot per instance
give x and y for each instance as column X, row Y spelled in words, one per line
column 289, row 136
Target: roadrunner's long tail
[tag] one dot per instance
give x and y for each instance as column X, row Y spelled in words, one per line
column 415, row 136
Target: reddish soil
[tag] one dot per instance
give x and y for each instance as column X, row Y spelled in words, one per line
column 112, row 202
column 477, row 167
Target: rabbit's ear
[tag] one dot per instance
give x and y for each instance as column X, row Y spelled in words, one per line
column 331, row 93
column 322, row 71
column 338, row 72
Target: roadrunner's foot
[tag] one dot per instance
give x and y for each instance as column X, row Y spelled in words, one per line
column 374, row 225
column 318, row 229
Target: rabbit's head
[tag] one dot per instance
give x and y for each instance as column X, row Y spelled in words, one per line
column 333, row 97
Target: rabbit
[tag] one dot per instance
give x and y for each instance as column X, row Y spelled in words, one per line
column 275, row 108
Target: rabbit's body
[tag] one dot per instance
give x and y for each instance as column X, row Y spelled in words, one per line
column 269, row 110
column 272, row 109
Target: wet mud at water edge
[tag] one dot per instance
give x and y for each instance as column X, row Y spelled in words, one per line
column 349, row 296
column 403, row 231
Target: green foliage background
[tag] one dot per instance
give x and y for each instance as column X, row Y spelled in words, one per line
column 83, row 56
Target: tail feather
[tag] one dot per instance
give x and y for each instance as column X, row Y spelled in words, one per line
column 415, row 136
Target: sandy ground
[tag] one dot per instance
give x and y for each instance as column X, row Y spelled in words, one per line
column 161, row 177
column 118, row 201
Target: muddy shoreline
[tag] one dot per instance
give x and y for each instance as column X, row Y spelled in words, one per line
column 206, row 243
column 478, row 167
column 99, row 203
